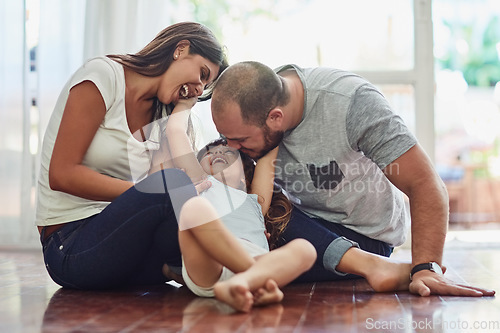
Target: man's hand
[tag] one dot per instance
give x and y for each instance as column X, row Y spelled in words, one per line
column 425, row 283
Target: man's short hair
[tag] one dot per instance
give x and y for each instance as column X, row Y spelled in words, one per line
column 253, row 86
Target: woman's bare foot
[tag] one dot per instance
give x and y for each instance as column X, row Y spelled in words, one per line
column 234, row 292
column 389, row 275
column 268, row 294
column 171, row 275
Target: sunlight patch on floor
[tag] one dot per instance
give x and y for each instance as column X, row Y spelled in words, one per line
column 475, row 238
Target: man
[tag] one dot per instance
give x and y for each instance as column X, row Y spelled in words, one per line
column 344, row 159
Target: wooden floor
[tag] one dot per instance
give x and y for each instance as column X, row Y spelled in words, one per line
column 31, row 302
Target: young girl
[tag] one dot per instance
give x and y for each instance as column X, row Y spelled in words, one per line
column 222, row 235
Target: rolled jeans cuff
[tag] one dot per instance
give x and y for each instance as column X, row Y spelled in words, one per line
column 334, row 253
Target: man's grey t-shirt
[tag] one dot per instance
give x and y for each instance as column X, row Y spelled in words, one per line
column 331, row 163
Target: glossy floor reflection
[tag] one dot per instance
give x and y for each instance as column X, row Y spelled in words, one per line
column 31, row 302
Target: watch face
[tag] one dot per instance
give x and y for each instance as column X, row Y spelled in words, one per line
column 436, row 268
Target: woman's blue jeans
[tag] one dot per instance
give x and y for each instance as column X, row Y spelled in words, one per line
column 127, row 243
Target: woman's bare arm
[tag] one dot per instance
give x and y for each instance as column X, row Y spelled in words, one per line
column 84, row 112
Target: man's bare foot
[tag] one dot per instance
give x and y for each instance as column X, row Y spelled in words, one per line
column 389, row 275
column 234, row 292
column 268, row 294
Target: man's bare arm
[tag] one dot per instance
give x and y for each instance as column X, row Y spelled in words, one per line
column 414, row 174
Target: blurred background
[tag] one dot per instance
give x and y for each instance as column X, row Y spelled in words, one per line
column 437, row 62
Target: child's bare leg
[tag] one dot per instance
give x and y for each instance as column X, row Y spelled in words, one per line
column 207, row 247
column 383, row 274
column 271, row 270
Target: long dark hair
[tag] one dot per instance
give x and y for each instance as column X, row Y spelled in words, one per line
column 155, row 58
column 279, row 213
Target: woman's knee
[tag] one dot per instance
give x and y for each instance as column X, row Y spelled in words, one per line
column 173, row 183
column 165, row 181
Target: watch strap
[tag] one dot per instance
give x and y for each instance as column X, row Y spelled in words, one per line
column 430, row 266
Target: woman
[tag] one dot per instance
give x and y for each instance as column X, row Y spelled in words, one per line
column 97, row 229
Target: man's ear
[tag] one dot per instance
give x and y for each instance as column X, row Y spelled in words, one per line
column 275, row 119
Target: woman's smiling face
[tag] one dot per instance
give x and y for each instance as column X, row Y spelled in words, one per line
column 187, row 77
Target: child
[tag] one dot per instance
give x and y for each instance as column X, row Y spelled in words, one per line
column 222, row 235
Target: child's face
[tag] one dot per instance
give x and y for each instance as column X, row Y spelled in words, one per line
column 223, row 158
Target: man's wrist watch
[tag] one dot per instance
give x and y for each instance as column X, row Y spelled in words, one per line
column 430, row 266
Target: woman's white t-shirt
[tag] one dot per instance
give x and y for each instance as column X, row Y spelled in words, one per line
column 113, row 152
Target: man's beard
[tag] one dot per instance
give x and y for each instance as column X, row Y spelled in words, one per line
column 271, row 140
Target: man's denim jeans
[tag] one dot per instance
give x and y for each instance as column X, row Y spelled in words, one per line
column 331, row 241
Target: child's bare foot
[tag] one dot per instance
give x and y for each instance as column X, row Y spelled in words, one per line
column 234, row 292
column 390, row 275
column 268, row 294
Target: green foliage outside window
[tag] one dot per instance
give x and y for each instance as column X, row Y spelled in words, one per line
column 480, row 65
